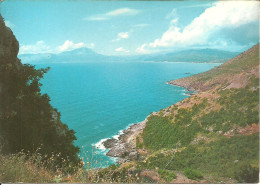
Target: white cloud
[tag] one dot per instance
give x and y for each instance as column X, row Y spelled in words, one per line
column 38, row 47
column 142, row 49
column 42, row 47
column 121, row 49
column 111, row 14
column 96, row 18
column 200, row 5
column 9, row 24
column 224, row 14
column 122, row 11
column 121, row 35
column 172, row 14
column 69, row 45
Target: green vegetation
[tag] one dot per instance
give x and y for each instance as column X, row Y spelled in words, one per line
column 28, row 115
column 220, row 158
column 158, row 133
column 193, row 137
column 167, row 175
column 192, row 174
column 239, row 107
column 20, row 168
column 245, row 173
column 28, row 122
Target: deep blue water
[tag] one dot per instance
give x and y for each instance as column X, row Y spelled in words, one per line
column 98, row 100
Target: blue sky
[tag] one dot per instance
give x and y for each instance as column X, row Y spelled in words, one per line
column 131, row 27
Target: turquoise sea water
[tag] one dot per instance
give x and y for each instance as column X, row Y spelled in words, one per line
column 98, row 100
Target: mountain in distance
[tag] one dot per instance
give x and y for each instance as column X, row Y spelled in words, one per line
column 83, row 55
column 80, row 55
column 195, row 55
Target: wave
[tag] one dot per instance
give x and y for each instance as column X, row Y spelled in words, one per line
column 186, row 94
column 120, row 132
column 100, row 144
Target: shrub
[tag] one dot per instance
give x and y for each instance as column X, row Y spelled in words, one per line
column 245, row 173
column 167, row 175
column 192, row 174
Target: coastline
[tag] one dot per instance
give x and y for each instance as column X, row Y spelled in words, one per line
column 123, row 145
column 190, row 90
column 182, row 83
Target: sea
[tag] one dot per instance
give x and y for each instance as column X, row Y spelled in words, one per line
column 98, row 100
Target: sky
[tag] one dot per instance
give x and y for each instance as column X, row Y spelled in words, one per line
column 131, row 27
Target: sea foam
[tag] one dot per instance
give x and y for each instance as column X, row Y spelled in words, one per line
column 100, row 145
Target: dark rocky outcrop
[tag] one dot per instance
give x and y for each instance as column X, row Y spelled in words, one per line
column 27, row 120
column 9, row 48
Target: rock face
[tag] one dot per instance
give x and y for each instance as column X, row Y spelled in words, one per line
column 124, row 148
column 9, row 48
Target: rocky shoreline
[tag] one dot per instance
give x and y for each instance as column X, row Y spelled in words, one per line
column 124, row 148
column 182, row 83
column 190, row 90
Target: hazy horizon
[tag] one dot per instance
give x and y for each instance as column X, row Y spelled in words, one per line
column 131, row 28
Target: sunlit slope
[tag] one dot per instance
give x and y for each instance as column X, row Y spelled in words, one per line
column 238, row 70
column 215, row 130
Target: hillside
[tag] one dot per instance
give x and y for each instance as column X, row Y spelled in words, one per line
column 214, row 132
column 195, row 55
column 234, row 73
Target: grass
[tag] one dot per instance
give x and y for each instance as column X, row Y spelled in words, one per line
column 29, row 168
column 192, row 174
column 17, row 168
column 167, row 175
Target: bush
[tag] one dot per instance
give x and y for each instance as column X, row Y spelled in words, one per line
column 245, row 173
column 28, row 120
column 192, row 174
column 167, row 175
column 113, row 166
column 158, row 133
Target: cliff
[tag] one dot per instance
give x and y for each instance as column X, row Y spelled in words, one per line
column 27, row 120
column 9, row 48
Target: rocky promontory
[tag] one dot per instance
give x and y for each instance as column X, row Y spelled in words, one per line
column 124, row 148
column 182, row 83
